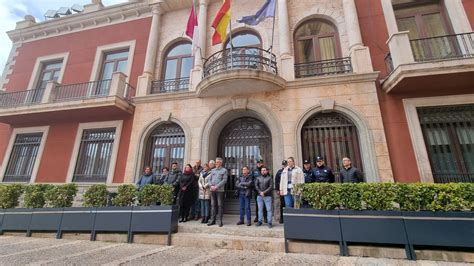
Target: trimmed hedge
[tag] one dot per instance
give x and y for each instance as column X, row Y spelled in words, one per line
column 96, row 196
column 61, row 196
column 35, row 195
column 9, row 195
column 390, row 196
column 126, row 196
column 151, row 194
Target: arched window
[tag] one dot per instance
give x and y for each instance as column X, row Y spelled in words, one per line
column 332, row 136
column 164, row 146
column 316, row 40
column 178, row 62
column 245, row 45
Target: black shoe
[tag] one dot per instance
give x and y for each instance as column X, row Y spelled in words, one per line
column 181, row 220
column 270, row 226
column 264, row 220
column 206, row 220
column 281, row 221
column 249, row 224
column 211, row 223
column 240, row 222
column 255, row 220
column 203, row 220
column 185, row 220
column 259, row 224
column 221, row 224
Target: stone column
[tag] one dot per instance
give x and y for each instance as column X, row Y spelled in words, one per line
column 144, row 81
column 389, row 15
column 50, row 92
column 196, row 72
column 352, row 24
column 458, row 16
column 117, row 85
column 287, row 60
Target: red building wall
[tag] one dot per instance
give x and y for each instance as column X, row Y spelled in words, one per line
column 469, row 7
column 82, row 48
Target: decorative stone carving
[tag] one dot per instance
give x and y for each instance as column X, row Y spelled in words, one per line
column 165, row 116
column 239, row 103
column 327, row 105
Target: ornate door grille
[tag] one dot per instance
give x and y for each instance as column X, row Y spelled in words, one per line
column 242, row 142
column 165, row 146
column 332, row 136
column 449, row 138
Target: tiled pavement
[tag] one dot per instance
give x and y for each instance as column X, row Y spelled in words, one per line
column 15, row 250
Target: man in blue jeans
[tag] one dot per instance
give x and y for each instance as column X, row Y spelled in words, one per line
column 264, row 187
column 290, row 176
column 244, row 185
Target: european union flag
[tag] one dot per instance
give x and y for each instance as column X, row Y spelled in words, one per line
column 267, row 11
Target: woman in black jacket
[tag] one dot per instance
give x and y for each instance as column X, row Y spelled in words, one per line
column 186, row 192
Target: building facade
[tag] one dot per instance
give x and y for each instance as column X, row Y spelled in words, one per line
column 96, row 96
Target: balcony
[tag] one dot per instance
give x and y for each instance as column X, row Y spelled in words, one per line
column 324, row 68
column 169, row 85
column 69, row 101
column 429, row 64
column 239, row 71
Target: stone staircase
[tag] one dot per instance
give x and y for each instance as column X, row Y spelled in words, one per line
column 230, row 236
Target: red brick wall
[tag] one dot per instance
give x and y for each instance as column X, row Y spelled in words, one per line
column 469, row 7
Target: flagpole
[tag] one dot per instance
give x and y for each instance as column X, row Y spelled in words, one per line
column 273, row 28
column 230, row 41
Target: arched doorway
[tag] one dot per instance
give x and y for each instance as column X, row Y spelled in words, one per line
column 242, row 142
column 333, row 136
column 166, row 144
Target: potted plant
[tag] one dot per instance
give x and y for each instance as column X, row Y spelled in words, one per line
column 319, row 224
column 153, row 218
column 118, row 217
column 81, row 219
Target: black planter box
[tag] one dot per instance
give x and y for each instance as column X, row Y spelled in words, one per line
column 79, row 219
column 450, row 229
column 154, row 219
column 379, row 227
column 2, row 211
column 17, row 220
column 112, row 219
column 46, row 219
column 310, row 224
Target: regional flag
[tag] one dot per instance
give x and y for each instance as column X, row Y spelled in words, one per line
column 266, row 11
column 192, row 29
column 221, row 22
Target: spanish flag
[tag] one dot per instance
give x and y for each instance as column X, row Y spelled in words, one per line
column 221, row 22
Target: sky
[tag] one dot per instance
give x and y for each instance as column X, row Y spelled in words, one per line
column 14, row 11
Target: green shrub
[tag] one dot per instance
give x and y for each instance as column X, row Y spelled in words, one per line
column 126, row 195
column 389, row 196
column 61, row 196
column 96, row 196
column 9, row 195
column 151, row 194
column 35, row 195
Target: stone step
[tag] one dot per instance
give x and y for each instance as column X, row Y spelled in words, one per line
column 226, row 241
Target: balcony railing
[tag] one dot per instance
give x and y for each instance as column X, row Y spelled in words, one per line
column 84, row 90
column 26, row 97
column 169, row 85
column 324, row 67
column 443, row 47
column 240, row 58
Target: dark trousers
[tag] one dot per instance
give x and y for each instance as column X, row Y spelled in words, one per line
column 256, row 208
column 282, row 204
column 217, row 205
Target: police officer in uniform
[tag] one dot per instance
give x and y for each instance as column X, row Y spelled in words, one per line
column 307, row 171
column 322, row 173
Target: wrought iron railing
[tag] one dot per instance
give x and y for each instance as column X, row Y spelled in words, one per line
column 26, row 97
column 324, row 67
column 84, row 90
column 443, row 47
column 389, row 63
column 169, row 85
column 240, row 58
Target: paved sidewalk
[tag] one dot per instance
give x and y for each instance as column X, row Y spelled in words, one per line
column 43, row 251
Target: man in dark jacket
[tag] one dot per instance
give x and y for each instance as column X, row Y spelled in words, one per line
column 284, row 163
column 308, row 173
column 322, row 173
column 244, row 185
column 350, row 174
column 174, row 177
column 264, row 187
column 256, row 173
column 196, row 207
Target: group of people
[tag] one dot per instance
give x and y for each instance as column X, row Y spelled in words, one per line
column 199, row 189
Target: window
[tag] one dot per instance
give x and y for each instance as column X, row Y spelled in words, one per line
column 95, row 154
column 164, row 146
column 50, row 71
column 114, row 62
column 428, row 25
column 23, row 157
column 178, row 62
column 332, row 136
column 317, row 48
column 449, row 137
column 245, row 50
